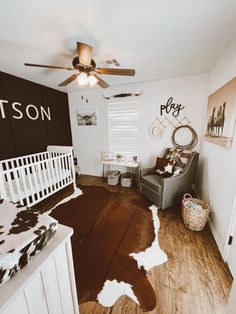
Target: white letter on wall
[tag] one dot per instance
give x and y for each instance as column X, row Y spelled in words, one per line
column 2, row 108
column 47, row 114
column 36, row 112
column 14, row 104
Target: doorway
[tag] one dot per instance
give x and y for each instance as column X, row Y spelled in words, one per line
column 230, row 247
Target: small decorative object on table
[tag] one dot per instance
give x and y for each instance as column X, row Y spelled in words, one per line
column 135, row 158
column 195, row 212
column 119, row 157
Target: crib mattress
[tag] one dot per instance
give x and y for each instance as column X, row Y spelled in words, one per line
column 23, row 233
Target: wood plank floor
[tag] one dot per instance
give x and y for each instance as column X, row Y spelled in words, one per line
column 195, row 280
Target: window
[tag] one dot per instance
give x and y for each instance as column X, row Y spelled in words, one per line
column 123, row 122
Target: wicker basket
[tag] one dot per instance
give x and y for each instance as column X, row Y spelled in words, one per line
column 195, row 219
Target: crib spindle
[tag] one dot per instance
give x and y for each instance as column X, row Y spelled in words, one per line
column 64, row 169
column 18, row 188
column 57, row 173
column 3, row 193
column 40, row 178
column 18, row 182
column 46, row 185
column 29, row 176
column 60, row 171
column 72, row 170
column 22, row 176
column 67, row 167
column 9, row 182
column 50, row 182
column 36, row 183
column 52, row 171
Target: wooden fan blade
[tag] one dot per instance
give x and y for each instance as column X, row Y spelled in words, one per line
column 69, row 80
column 101, row 82
column 128, row 72
column 48, row 66
column 84, row 53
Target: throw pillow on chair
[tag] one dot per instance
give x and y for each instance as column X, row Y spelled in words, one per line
column 164, row 167
column 173, row 155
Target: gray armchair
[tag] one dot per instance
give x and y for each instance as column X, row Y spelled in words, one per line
column 165, row 192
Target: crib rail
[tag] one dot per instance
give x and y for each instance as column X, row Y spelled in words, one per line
column 30, row 179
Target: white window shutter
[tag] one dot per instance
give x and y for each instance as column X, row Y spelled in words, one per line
column 123, row 127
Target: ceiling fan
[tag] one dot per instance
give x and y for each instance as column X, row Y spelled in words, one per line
column 86, row 67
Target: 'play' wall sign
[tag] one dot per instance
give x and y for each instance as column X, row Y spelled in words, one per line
column 30, row 111
column 171, row 107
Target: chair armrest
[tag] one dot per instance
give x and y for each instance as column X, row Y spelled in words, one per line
column 146, row 171
column 181, row 183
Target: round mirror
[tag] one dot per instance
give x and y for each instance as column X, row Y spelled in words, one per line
column 184, row 137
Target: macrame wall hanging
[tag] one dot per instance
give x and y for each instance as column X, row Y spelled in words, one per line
column 158, row 126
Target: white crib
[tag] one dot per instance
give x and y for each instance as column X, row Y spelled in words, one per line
column 32, row 178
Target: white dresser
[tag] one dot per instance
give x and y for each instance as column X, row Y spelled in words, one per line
column 47, row 284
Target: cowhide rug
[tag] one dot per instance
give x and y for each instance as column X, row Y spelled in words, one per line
column 115, row 242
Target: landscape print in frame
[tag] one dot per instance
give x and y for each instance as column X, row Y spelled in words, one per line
column 221, row 115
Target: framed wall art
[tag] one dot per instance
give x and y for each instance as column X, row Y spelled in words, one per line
column 107, row 155
column 221, row 115
column 86, row 117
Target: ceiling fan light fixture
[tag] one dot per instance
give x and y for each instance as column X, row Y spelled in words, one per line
column 84, row 64
column 92, row 80
column 82, row 79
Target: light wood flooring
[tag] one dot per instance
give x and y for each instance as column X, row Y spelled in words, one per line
column 195, row 280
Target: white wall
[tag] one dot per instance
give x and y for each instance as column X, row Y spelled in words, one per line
column 232, row 300
column 217, row 180
column 89, row 141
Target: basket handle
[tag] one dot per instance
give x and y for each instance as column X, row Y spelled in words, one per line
column 187, row 195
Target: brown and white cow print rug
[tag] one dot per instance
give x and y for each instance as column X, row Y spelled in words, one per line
column 23, row 233
column 115, row 242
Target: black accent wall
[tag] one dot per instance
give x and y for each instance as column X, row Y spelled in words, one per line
column 25, row 136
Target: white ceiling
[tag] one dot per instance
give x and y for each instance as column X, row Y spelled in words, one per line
column 159, row 38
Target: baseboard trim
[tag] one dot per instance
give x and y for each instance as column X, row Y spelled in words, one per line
column 215, row 236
